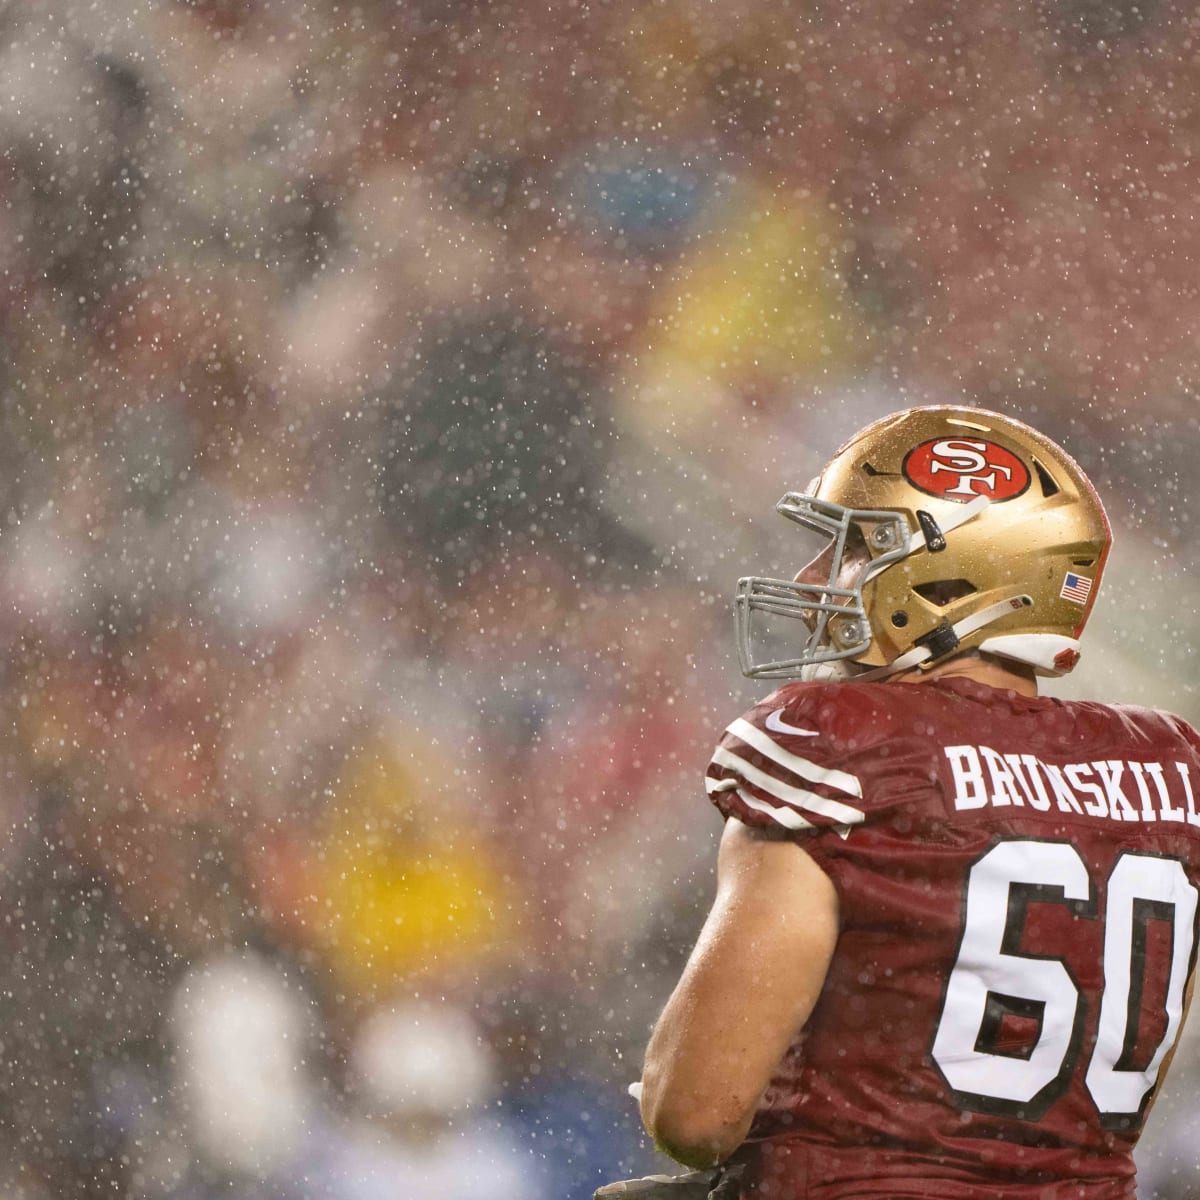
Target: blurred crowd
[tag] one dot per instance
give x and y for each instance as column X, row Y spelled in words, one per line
column 391, row 394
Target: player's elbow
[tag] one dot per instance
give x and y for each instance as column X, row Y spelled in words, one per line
column 696, row 1139
column 692, row 1128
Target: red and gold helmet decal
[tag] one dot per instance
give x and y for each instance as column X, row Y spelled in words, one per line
column 961, row 468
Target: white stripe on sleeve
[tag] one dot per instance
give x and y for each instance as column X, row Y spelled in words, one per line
column 743, row 730
column 835, row 810
column 784, row 816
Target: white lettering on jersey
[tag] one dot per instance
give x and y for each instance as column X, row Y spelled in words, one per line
column 983, row 777
column 1193, row 817
column 1024, row 769
column 1110, row 773
column 1095, row 807
column 1003, row 785
column 1062, row 793
column 1139, row 775
column 969, row 789
column 1165, row 809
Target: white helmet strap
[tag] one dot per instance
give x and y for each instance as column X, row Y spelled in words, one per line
column 971, row 509
column 961, row 629
column 917, row 541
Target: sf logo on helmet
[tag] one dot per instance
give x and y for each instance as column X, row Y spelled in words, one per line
column 962, row 468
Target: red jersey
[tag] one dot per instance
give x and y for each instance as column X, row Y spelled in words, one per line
column 1017, row 881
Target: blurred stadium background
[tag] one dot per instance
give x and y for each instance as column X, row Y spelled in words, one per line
column 392, row 393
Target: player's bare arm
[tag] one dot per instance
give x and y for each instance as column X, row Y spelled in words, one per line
column 749, row 986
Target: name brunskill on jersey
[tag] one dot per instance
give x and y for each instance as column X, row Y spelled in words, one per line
column 1114, row 788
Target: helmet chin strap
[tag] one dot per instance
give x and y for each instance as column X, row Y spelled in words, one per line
column 829, row 672
column 962, row 629
column 971, row 509
column 918, row 540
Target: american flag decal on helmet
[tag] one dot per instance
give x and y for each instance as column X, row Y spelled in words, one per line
column 1076, row 588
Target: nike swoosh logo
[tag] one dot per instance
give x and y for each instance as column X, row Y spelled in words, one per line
column 777, row 725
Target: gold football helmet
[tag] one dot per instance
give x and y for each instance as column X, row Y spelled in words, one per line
column 950, row 529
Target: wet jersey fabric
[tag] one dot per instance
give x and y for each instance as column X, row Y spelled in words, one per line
column 1017, row 882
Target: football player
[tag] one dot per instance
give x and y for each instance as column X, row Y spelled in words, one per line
column 956, row 921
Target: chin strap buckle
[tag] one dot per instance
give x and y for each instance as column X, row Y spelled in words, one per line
column 939, row 641
column 925, row 653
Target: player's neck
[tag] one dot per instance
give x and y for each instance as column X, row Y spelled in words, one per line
column 989, row 671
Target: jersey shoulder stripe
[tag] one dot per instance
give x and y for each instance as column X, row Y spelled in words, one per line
column 718, row 789
column 756, row 776
column 788, row 793
column 805, row 768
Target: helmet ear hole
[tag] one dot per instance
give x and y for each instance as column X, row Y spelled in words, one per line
column 942, row 592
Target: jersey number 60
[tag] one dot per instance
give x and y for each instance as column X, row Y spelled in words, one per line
column 992, row 978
